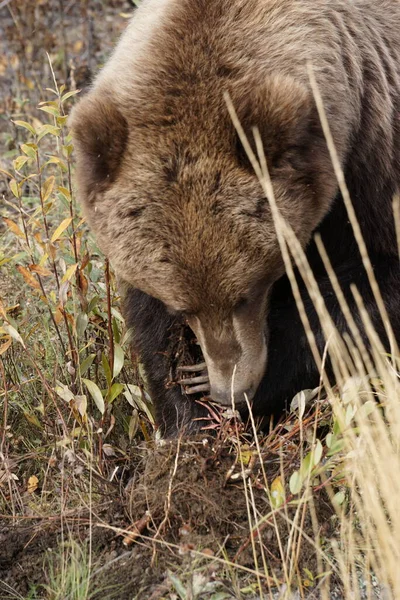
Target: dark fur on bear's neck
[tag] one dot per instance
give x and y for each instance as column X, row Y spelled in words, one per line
column 169, row 191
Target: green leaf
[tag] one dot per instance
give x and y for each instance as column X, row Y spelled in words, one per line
column 350, row 412
column 48, row 129
column 25, row 125
column 19, row 162
column 86, row 364
column 306, row 465
column 116, row 331
column 96, row 394
column 67, row 150
column 295, row 482
column 318, row 450
column 115, row 391
column 69, row 95
column 62, row 120
column 336, row 447
column 118, row 360
column 106, row 368
column 134, row 396
column 336, row 427
column 308, row 574
column 93, row 304
column 133, row 424
column 178, row 585
column 338, row 498
column 117, row 314
column 51, row 110
column 14, row 188
column 81, row 324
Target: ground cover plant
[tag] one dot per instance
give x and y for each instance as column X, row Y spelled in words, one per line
column 91, row 505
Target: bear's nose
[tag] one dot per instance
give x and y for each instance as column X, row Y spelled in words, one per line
column 224, row 396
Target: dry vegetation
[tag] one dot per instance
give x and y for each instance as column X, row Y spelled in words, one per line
column 90, row 505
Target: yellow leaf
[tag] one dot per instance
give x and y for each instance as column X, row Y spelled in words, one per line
column 78, row 46
column 14, row 188
column 26, row 125
column 14, row 228
column 48, row 188
column 65, row 192
column 51, row 110
column 31, row 418
column 19, row 162
column 69, row 273
column 62, row 227
column 29, row 149
column 56, row 161
column 277, row 493
column 32, row 484
column 6, row 173
column 245, row 455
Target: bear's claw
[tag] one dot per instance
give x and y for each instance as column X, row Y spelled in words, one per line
column 199, row 383
column 193, row 368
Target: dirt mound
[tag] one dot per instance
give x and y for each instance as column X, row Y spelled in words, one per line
column 185, row 508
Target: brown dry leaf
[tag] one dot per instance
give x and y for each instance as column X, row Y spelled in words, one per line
column 83, row 283
column 6, row 476
column 40, row 270
column 135, row 530
column 63, row 294
column 58, row 316
column 29, row 278
column 4, row 347
column 13, row 227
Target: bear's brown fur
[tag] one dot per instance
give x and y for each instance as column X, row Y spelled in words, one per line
column 175, row 205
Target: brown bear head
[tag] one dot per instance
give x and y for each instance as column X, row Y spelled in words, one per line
column 178, row 209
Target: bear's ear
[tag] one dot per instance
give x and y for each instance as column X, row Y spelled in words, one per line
column 283, row 111
column 100, row 133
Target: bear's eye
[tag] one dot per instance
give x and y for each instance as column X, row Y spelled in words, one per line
column 241, row 303
column 179, row 312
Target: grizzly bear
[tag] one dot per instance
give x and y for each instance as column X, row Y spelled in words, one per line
column 176, row 206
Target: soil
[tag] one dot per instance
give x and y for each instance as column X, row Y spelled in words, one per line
column 185, row 508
